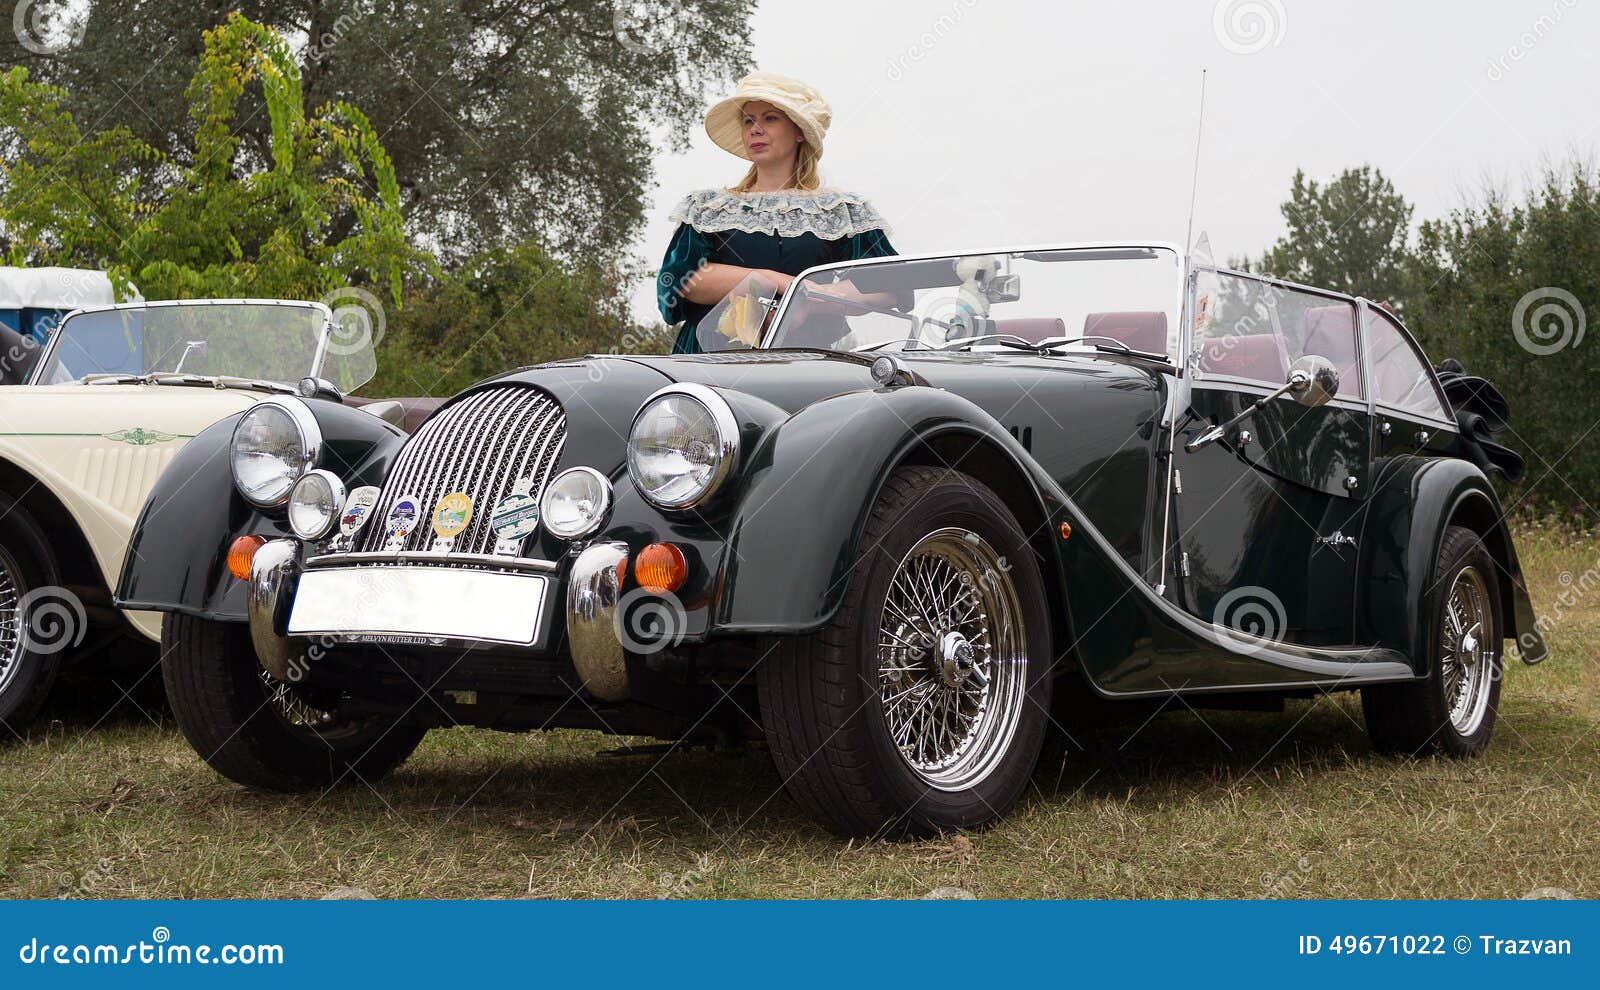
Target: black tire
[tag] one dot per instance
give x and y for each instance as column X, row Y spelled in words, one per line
column 42, row 620
column 222, row 703
column 820, row 697
column 1414, row 719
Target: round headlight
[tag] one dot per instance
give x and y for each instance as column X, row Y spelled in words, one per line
column 274, row 443
column 682, row 445
column 575, row 503
column 315, row 504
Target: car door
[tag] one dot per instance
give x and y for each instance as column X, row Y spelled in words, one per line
column 1266, row 516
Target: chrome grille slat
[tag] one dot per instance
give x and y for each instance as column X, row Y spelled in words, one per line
column 503, row 461
column 479, row 445
column 475, row 453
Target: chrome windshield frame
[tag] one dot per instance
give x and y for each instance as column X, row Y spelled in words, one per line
column 1180, row 284
column 318, row 358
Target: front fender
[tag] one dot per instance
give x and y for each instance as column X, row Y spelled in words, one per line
column 1415, row 500
column 177, row 555
column 810, row 486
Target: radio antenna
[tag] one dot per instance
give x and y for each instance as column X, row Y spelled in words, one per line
column 1194, row 181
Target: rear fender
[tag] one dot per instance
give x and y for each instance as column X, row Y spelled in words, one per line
column 1416, row 499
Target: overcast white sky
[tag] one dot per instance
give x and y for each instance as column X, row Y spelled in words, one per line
column 979, row 123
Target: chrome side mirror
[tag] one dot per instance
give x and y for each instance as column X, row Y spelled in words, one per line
column 1313, row 380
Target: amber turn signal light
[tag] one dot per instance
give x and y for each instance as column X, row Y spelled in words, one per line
column 661, row 567
column 241, row 553
column 1066, row 531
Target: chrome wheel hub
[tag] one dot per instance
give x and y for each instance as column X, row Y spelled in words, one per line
column 1467, row 644
column 952, row 664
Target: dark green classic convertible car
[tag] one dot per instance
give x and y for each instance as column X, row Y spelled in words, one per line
column 940, row 496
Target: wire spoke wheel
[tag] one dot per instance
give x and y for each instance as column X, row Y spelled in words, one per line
column 1467, row 650
column 952, row 659
column 288, row 705
column 11, row 619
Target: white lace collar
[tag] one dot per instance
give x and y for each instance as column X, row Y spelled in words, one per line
column 828, row 213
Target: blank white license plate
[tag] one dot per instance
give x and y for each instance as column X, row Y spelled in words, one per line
column 449, row 602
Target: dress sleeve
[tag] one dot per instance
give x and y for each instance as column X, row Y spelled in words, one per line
column 869, row 244
column 688, row 250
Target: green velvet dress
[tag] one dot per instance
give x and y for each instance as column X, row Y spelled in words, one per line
column 786, row 231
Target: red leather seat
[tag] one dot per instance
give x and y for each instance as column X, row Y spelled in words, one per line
column 1141, row 331
column 1032, row 329
column 1331, row 333
column 1258, row 356
column 415, row 409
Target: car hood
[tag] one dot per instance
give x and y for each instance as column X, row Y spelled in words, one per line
column 67, row 412
column 794, row 379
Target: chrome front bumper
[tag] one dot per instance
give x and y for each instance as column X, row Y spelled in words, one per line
column 406, row 604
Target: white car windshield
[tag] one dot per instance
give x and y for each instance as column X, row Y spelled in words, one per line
column 1123, row 297
column 276, row 342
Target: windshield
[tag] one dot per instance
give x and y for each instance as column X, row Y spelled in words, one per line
column 1117, row 297
column 275, row 342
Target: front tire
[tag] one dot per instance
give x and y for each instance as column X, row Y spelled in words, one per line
column 39, row 620
column 1453, row 710
column 922, row 706
column 260, row 732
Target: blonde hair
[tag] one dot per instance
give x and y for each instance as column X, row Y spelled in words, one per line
column 807, row 171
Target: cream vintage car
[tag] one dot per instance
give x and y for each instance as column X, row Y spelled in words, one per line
column 113, row 397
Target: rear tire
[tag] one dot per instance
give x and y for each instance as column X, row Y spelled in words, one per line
column 39, row 620
column 259, row 732
column 1453, row 710
column 914, row 722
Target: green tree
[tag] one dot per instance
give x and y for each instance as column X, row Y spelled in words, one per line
column 1512, row 290
column 1348, row 235
column 495, row 311
column 506, row 120
column 321, row 211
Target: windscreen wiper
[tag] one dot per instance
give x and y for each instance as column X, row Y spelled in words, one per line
column 201, row 381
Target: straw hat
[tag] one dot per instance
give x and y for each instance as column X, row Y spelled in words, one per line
column 804, row 105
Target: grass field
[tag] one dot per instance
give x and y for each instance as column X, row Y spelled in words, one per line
column 1224, row 805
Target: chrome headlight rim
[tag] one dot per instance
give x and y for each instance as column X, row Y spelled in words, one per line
column 727, row 426
column 310, row 432
column 337, row 497
column 602, row 512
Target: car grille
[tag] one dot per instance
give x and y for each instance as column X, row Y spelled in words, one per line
column 479, row 445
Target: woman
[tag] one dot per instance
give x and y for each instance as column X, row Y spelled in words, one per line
column 773, row 225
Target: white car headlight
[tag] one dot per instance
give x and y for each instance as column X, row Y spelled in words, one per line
column 315, row 504
column 274, row 443
column 682, row 446
column 575, row 503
